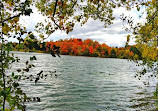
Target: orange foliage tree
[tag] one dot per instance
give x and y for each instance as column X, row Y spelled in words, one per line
column 88, row 47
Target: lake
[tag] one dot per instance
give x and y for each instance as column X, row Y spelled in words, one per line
column 86, row 84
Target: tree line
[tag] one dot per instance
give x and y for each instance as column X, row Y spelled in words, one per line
column 77, row 47
column 61, row 15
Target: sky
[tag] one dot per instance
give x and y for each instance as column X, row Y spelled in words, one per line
column 114, row 35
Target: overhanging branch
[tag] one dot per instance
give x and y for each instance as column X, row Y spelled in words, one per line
column 55, row 8
column 73, row 6
column 11, row 18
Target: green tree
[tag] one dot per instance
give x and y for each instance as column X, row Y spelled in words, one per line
column 113, row 53
column 10, row 92
column 146, row 35
column 60, row 14
column 136, row 51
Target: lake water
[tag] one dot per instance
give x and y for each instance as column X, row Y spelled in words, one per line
column 86, row 84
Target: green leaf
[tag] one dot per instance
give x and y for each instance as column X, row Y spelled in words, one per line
column 33, row 58
column 12, row 74
column 18, row 70
column 28, row 12
column 15, row 84
column 30, row 66
column 16, row 77
column 32, row 36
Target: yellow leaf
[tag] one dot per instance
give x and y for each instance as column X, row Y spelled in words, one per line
column 16, row 19
column 153, row 1
column 18, row 28
column 5, row 29
column 102, row 1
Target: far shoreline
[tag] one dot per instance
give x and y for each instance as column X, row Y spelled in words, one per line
column 41, row 52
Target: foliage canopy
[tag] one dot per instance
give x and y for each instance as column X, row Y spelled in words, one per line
column 63, row 15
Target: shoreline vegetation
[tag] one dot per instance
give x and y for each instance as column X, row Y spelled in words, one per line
column 76, row 47
column 36, row 51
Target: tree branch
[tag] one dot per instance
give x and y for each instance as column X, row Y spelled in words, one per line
column 153, row 16
column 11, row 18
column 61, row 7
column 56, row 24
column 18, row 15
column 55, row 8
column 73, row 6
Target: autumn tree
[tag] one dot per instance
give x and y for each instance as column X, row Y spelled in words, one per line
column 92, row 48
column 146, row 35
column 60, row 15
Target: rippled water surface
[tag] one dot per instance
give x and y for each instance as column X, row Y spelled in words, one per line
column 85, row 84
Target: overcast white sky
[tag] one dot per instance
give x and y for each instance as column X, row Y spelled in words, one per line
column 114, row 35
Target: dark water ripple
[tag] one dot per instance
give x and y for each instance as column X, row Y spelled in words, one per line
column 85, row 84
